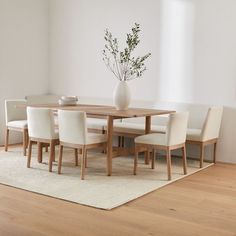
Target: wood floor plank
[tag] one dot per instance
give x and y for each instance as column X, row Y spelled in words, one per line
column 201, row 204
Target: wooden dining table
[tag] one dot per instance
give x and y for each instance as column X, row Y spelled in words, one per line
column 111, row 114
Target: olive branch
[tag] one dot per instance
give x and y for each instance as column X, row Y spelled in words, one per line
column 121, row 63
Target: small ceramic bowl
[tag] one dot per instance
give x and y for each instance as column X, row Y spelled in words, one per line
column 69, row 98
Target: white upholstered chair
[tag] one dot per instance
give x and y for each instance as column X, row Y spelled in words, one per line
column 16, row 120
column 41, row 129
column 43, row 99
column 174, row 138
column 73, row 133
column 208, row 134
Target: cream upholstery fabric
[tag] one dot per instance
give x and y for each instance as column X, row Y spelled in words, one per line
column 197, row 112
column 41, row 123
column 194, row 134
column 153, row 139
column 177, row 128
column 211, row 126
column 175, row 134
column 158, row 128
column 15, row 110
column 131, row 128
column 22, row 124
column 161, row 120
column 94, row 123
column 73, row 129
column 93, row 138
column 55, row 119
column 42, row 99
column 135, row 128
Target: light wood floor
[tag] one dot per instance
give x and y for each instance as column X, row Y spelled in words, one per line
column 201, row 204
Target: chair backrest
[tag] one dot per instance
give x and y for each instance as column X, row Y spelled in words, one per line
column 177, row 128
column 41, row 123
column 197, row 112
column 211, row 126
column 72, row 127
column 15, row 110
column 42, row 99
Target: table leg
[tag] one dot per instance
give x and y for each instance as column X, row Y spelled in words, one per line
column 109, row 144
column 147, row 131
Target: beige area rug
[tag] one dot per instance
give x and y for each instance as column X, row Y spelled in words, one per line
column 97, row 190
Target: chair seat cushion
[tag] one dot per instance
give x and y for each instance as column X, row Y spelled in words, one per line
column 22, row 124
column 135, row 128
column 193, row 135
column 93, row 138
column 130, row 128
column 158, row 129
column 153, row 139
column 94, row 123
column 56, row 134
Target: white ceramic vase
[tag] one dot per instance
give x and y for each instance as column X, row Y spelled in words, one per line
column 122, row 96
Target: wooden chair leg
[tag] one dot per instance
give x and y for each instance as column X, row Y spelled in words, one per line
column 52, row 154
column 184, row 159
column 53, row 151
column 27, row 138
column 40, row 153
column 104, row 150
column 24, row 141
column 86, row 161
column 214, row 153
column 60, row 159
column 201, row 154
column 168, row 159
column 123, row 141
column 153, row 158
column 83, row 156
column 147, row 157
column 29, row 153
column 76, row 157
column 119, row 141
column 6, row 139
column 135, row 160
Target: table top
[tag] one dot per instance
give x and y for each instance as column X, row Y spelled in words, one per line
column 104, row 110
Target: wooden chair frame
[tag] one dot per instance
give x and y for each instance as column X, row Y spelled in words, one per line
column 83, row 158
column 202, row 145
column 40, row 142
column 143, row 147
column 24, row 131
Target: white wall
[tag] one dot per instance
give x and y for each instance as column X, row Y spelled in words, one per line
column 177, row 50
column 193, row 46
column 23, row 50
column 198, row 51
column 215, row 52
column 77, row 40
